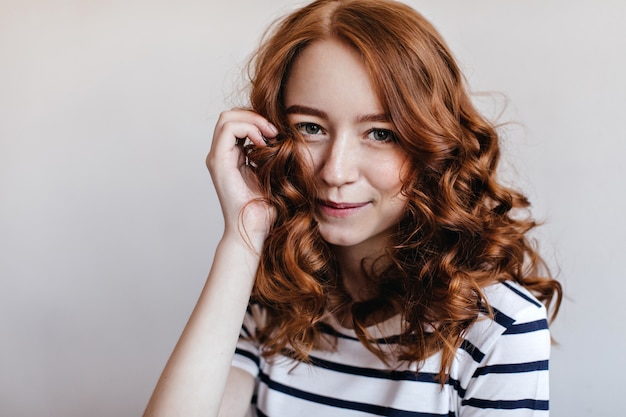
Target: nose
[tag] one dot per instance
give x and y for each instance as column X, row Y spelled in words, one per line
column 339, row 163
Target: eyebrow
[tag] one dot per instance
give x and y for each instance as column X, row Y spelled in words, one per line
column 310, row 111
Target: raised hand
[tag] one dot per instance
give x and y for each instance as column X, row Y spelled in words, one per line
column 237, row 188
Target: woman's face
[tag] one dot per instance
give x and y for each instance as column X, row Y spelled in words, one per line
column 356, row 161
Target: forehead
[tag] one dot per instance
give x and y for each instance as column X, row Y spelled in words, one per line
column 330, row 74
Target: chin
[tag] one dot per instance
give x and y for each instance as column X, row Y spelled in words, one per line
column 339, row 239
column 351, row 240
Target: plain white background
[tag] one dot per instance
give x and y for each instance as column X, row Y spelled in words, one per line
column 108, row 218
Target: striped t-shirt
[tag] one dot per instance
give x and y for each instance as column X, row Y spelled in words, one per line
column 501, row 369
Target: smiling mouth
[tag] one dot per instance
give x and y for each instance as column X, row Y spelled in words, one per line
column 340, row 206
column 334, row 209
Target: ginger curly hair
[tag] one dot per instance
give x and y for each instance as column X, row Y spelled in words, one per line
column 463, row 230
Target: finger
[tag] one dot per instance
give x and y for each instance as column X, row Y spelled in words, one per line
column 264, row 129
column 227, row 150
column 233, row 130
column 237, row 134
column 267, row 129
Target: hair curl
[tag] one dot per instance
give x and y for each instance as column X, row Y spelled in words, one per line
column 462, row 230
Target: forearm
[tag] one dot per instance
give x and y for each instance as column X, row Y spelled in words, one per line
column 193, row 381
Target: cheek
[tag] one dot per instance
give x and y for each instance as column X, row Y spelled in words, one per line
column 389, row 174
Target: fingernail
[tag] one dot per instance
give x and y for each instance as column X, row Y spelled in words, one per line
column 273, row 129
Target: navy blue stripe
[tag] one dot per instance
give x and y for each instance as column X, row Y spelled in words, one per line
column 338, row 403
column 502, row 319
column 425, row 377
column 530, row 327
column 512, row 368
column 508, row 405
column 521, row 294
column 249, row 355
column 456, row 384
column 332, row 332
column 382, row 341
column 375, row 373
column 474, row 352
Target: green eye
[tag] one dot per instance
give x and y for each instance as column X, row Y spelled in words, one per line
column 382, row 135
column 309, row 128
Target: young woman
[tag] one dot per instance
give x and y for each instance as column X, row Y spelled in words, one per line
column 377, row 265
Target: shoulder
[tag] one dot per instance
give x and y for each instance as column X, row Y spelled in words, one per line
column 504, row 356
column 515, row 312
column 513, row 340
column 513, row 305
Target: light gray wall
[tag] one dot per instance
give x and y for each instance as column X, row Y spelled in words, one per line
column 108, row 219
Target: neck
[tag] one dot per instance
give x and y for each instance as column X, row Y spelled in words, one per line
column 355, row 278
column 356, row 267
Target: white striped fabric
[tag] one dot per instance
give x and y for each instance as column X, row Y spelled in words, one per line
column 501, row 369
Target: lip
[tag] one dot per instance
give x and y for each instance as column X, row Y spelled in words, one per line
column 339, row 209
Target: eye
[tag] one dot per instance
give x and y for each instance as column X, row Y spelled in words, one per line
column 382, row 135
column 308, row 128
